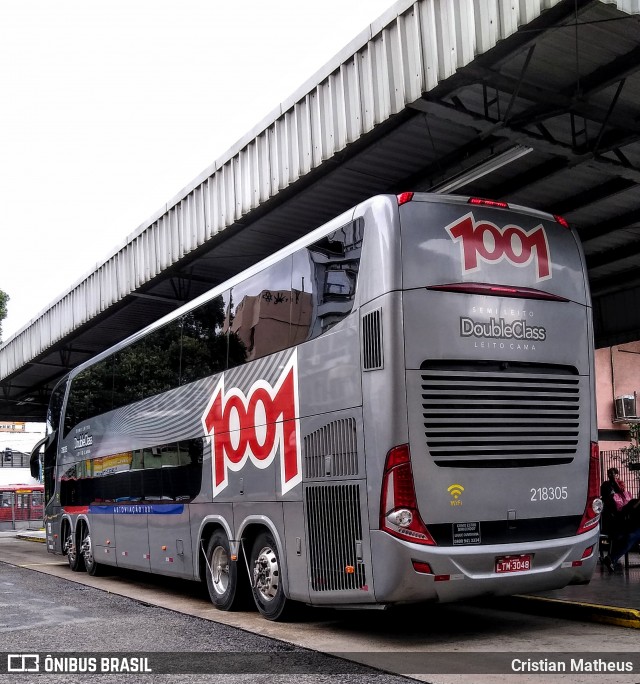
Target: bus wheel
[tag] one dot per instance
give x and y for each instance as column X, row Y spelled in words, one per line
column 224, row 576
column 74, row 557
column 268, row 592
column 91, row 565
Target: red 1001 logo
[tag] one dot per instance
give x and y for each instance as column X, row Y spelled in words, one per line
column 254, row 427
column 484, row 240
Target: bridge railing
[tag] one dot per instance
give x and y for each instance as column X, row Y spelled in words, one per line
column 14, row 459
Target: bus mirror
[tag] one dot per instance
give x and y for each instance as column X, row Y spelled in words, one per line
column 34, row 461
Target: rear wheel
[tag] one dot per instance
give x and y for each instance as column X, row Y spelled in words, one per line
column 91, row 565
column 74, row 557
column 225, row 577
column 266, row 571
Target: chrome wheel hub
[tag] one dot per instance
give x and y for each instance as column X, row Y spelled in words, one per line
column 70, row 547
column 266, row 574
column 87, row 550
column 220, row 570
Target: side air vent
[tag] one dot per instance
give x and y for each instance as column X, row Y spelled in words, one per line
column 372, row 351
column 508, row 415
column 335, row 537
column 332, row 451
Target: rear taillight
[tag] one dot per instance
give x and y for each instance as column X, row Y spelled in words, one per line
column 404, row 197
column 399, row 514
column 422, row 567
column 588, row 552
column 593, row 507
column 498, row 291
column 482, row 202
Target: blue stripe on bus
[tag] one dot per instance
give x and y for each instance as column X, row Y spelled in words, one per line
column 138, row 509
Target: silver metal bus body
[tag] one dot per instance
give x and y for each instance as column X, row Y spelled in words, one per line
column 396, row 408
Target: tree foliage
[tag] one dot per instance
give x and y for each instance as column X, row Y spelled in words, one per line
column 4, row 298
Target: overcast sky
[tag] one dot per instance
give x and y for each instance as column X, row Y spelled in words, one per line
column 109, row 109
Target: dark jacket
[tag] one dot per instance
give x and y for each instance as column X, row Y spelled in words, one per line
column 610, row 519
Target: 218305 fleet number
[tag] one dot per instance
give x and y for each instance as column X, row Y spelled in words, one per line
column 549, row 493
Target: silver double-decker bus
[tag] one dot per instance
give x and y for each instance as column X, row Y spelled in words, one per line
column 397, row 408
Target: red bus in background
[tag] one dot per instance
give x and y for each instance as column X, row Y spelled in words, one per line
column 20, row 503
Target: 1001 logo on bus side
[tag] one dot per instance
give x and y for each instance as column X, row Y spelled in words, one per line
column 255, row 427
column 485, row 241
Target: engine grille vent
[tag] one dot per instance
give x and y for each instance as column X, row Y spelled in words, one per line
column 335, row 537
column 509, row 416
column 332, row 450
column 372, row 351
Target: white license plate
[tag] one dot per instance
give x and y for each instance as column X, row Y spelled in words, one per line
column 513, row 563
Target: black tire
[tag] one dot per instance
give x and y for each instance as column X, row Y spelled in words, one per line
column 72, row 549
column 266, row 580
column 226, row 579
column 91, row 565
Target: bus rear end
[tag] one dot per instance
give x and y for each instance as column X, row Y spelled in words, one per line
column 495, row 491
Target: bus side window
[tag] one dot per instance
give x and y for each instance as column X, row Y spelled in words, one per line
column 302, row 297
column 204, row 340
column 91, row 393
column 149, row 366
column 339, row 284
column 324, row 281
column 55, row 407
column 259, row 314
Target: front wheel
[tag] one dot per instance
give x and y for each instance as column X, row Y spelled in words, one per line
column 225, row 577
column 266, row 571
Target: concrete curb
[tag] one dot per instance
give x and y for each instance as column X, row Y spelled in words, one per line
column 576, row 610
column 31, row 536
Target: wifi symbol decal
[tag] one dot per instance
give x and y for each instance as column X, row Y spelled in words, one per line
column 455, row 490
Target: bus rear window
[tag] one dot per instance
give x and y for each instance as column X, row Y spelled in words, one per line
column 449, row 244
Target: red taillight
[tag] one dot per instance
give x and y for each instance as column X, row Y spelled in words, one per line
column 422, row 567
column 404, row 197
column 587, row 552
column 487, row 202
column 593, row 507
column 399, row 514
column 498, row 291
column 561, row 220
column 507, row 291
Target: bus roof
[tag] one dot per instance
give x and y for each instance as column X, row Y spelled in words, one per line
column 22, row 488
column 314, row 235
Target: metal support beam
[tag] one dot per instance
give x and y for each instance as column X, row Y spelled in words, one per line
column 157, row 298
column 606, row 227
column 523, row 180
column 527, row 138
column 611, row 256
column 609, row 188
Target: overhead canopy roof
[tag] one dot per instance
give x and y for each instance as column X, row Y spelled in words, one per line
column 533, row 102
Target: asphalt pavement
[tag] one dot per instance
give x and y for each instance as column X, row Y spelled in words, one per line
column 612, row 598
